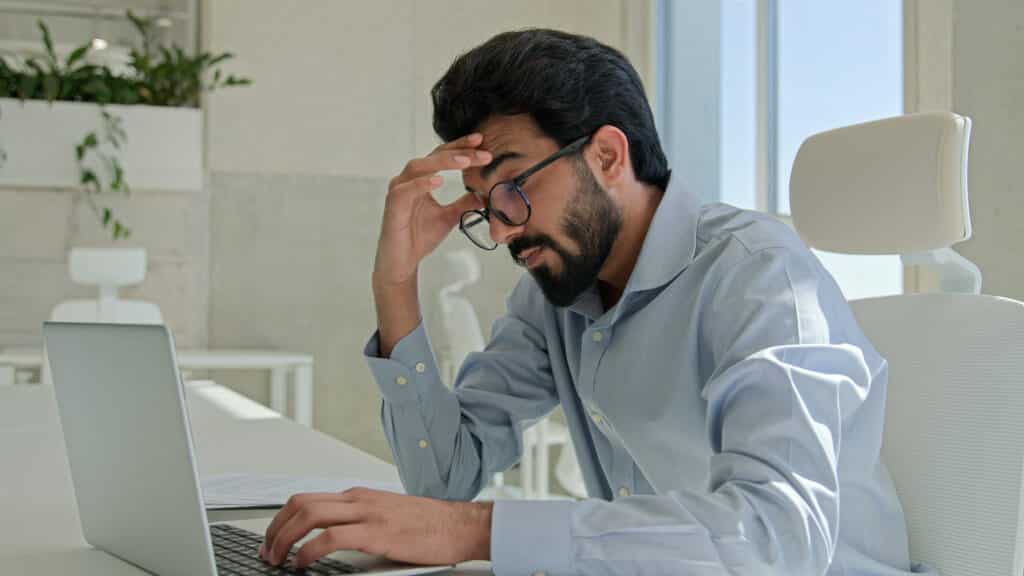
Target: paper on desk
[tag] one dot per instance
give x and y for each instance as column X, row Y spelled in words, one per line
column 224, row 491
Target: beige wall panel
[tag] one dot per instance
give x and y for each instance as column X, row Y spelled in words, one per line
column 34, row 224
column 29, row 289
column 988, row 86
column 291, row 264
column 161, row 222
column 331, row 92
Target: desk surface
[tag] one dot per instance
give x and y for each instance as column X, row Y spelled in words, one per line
column 40, row 532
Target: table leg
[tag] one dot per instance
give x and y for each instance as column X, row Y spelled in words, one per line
column 542, row 471
column 302, row 395
column 526, row 474
column 279, row 390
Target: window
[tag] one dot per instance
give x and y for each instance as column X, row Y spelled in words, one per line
column 742, row 83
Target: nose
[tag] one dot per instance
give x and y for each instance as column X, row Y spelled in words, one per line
column 503, row 233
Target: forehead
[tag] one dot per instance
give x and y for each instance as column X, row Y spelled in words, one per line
column 510, row 133
column 509, row 139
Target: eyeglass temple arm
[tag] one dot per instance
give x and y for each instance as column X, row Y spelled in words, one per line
column 571, row 148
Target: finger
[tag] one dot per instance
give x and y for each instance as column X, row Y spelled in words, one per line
column 347, row 537
column 471, row 140
column 321, row 514
column 293, row 505
column 450, row 159
column 418, row 187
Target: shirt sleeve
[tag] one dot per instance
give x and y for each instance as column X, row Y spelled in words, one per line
column 447, row 443
column 775, row 403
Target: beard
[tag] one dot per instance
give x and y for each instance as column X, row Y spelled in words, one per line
column 592, row 221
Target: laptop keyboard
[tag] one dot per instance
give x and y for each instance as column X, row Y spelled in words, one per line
column 236, row 552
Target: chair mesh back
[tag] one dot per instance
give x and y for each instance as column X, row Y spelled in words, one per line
column 954, row 430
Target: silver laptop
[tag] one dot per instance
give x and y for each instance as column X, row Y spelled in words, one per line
column 129, row 445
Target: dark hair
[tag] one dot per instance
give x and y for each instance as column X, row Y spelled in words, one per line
column 570, row 85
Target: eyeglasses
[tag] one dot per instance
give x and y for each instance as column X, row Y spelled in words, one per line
column 507, row 201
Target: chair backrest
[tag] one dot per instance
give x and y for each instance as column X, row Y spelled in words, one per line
column 954, row 429
column 461, row 323
column 892, row 186
column 107, row 269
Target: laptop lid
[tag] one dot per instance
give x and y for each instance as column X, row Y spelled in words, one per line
column 129, row 446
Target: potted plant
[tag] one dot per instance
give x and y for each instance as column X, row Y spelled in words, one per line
column 67, row 123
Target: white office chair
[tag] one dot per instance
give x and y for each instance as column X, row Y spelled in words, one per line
column 954, row 431
column 108, row 270
column 462, row 327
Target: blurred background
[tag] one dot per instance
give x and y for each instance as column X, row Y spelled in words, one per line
column 259, row 226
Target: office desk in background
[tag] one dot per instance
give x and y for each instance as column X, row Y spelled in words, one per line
column 280, row 364
column 40, row 531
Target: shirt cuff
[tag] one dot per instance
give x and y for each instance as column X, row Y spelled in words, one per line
column 531, row 536
column 410, row 366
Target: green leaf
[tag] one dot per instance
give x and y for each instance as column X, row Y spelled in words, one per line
column 48, row 43
column 90, row 140
column 77, row 55
column 106, row 216
column 27, row 87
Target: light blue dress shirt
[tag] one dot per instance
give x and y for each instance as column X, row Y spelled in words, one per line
column 727, row 414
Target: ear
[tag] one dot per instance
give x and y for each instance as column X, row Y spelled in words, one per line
column 608, row 156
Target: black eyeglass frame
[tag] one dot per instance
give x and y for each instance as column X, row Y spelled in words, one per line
column 517, row 185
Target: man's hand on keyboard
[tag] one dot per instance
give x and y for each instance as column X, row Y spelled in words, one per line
column 399, row 527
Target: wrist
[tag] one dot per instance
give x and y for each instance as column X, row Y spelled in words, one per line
column 477, row 520
column 384, row 284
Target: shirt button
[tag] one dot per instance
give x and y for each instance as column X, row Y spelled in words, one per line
column 401, row 381
column 423, row 443
column 623, row 491
column 421, row 367
column 597, row 336
column 596, row 418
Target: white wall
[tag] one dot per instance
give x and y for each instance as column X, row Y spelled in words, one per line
column 300, row 160
column 988, row 86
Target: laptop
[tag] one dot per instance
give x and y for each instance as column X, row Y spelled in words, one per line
column 133, row 467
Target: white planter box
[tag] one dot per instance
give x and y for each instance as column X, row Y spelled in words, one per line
column 162, row 150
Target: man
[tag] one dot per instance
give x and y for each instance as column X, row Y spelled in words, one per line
column 726, row 409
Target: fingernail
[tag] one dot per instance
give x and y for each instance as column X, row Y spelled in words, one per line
column 460, row 159
column 476, row 136
column 436, row 180
column 260, row 553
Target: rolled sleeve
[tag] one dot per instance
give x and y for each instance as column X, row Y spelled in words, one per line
column 531, row 537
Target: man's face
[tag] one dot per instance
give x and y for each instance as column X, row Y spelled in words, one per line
column 574, row 221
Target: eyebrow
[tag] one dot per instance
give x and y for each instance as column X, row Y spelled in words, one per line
column 487, row 171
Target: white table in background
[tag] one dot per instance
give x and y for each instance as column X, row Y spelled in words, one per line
column 280, row 364
column 40, row 532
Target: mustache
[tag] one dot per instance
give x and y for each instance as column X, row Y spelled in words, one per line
column 521, row 244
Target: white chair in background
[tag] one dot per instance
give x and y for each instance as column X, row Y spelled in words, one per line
column 108, row 270
column 954, row 430
column 464, row 335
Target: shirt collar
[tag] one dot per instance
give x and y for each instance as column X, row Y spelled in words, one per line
column 671, row 240
column 668, row 248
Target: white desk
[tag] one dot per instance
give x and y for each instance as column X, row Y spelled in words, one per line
column 279, row 363
column 40, row 531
